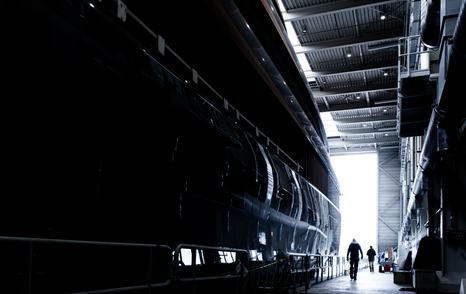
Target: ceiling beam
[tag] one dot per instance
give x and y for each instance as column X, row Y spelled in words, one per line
column 311, row 74
column 356, row 105
column 351, row 91
column 378, row 113
column 338, row 143
column 332, row 7
column 363, row 146
column 387, row 102
column 390, row 139
column 367, row 99
column 381, row 117
column 359, row 149
column 326, row 103
column 378, row 121
column 380, row 36
column 351, row 150
column 369, row 130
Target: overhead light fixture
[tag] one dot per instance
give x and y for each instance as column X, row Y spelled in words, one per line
column 385, row 101
column 358, row 97
column 387, row 129
column 91, row 5
column 385, row 73
column 389, row 147
column 384, row 45
column 348, row 54
column 305, row 29
column 383, row 17
column 385, row 110
column 386, row 135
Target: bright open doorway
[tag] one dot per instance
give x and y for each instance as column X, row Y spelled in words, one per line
column 358, row 178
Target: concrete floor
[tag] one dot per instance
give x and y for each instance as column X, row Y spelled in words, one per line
column 367, row 282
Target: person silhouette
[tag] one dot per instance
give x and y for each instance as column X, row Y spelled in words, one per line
column 371, row 254
column 353, row 256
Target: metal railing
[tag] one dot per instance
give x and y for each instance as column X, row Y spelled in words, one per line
column 328, row 266
column 35, row 243
column 412, row 59
column 286, row 272
column 295, row 270
column 191, row 77
column 198, row 258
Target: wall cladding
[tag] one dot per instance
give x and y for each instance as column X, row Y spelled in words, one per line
column 388, row 223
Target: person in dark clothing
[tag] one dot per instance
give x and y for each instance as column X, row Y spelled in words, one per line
column 353, row 256
column 371, row 254
column 408, row 265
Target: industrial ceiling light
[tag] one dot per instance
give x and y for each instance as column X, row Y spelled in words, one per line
column 348, row 54
column 387, row 129
column 385, row 73
column 304, row 29
column 358, row 97
column 383, row 17
column 385, row 101
column 384, row 45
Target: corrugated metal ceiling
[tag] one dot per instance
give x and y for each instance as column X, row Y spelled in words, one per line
column 328, row 59
column 350, row 23
column 352, row 53
column 296, row 4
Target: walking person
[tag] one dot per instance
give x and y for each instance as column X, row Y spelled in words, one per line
column 353, row 256
column 370, row 255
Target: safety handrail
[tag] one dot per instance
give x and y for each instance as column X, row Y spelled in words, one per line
column 80, row 242
column 409, row 60
column 123, row 12
column 329, row 265
column 151, row 247
column 194, row 277
column 268, row 265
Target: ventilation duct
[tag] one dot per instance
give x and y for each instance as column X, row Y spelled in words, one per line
column 430, row 23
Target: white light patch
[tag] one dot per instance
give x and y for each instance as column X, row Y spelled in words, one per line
column 281, row 6
column 303, row 61
column 358, row 204
column 292, row 34
column 253, row 254
column 186, row 256
column 329, row 124
column 262, row 239
column 269, row 174
column 300, row 199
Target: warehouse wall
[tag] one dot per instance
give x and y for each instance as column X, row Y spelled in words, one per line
column 388, row 222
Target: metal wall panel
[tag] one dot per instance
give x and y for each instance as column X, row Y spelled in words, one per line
column 388, row 223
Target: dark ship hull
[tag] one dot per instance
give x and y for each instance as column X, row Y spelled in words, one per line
column 107, row 142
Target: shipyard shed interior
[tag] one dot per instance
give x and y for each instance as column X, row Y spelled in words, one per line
column 170, row 147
